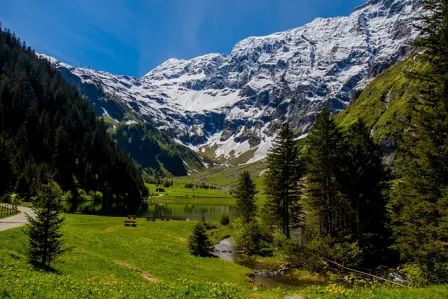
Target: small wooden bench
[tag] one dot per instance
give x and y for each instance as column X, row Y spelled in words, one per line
column 77, row 212
column 165, row 218
column 151, row 218
column 130, row 223
column 132, row 216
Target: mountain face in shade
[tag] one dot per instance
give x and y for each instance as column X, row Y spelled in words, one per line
column 230, row 105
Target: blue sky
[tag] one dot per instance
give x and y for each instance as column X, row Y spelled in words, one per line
column 131, row 37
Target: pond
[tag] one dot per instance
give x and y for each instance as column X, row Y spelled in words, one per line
column 180, row 211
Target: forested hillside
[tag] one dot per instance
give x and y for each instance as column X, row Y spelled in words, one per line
column 48, row 129
column 152, row 148
column 154, row 151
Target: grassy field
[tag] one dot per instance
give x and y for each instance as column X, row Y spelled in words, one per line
column 179, row 191
column 180, row 194
column 150, row 261
column 223, row 177
column 337, row 291
column 101, row 246
column 226, row 175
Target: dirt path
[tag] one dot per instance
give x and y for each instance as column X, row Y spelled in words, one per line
column 16, row 220
column 145, row 275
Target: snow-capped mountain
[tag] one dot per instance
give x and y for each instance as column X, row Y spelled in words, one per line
column 232, row 104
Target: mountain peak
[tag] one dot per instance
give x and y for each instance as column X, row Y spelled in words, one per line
column 231, row 104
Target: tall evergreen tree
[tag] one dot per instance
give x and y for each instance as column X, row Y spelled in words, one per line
column 282, row 181
column 419, row 202
column 324, row 152
column 244, row 192
column 45, row 238
column 364, row 183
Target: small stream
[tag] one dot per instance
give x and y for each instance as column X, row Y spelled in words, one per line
column 260, row 278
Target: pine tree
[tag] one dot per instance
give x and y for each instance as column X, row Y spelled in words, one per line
column 45, row 238
column 419, row 199
column 244, row 192
column 199, row 243
column 282, row 182
column 324, row 153
column 364, row 181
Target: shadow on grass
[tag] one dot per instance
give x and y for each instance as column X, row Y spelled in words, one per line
column 4, row 294
column 47, row 269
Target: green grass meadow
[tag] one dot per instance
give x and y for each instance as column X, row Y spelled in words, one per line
column 98, row 243
column 110, row 260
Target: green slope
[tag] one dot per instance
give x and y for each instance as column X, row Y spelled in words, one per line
column 385, row 105
column 226, row 176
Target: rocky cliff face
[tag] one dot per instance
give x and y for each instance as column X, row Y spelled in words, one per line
column 232, row 104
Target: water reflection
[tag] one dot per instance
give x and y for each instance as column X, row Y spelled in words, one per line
column 174, row 211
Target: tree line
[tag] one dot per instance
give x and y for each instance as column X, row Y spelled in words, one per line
column 48, row 130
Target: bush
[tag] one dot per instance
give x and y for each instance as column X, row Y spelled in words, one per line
column 420, row 276
column 279, row 239
column 98, row 196
column 225, row 220
column 416, row 275
column 252, row 238
column 83, row 196
column 199, row 242
column 314, row 256
column 67, row 196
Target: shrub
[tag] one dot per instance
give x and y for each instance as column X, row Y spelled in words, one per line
column 279, row 239
column 67, row 196
column 225, row 220
column 98, row 196
column 199, row 242
column 83, row 196
column 252, row 238
column 316, row 253
column 416, row 275
column 420, row 276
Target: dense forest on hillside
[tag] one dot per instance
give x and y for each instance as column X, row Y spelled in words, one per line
column 48, row 129
column 155, row 152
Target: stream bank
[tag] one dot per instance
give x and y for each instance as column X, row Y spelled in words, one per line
column 273, row 277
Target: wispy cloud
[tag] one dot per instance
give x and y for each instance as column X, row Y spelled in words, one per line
column 194, row 13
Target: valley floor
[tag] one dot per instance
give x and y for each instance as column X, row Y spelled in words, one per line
column 152, row 260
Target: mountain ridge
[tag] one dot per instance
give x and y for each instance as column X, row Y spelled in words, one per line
column 231, row 104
